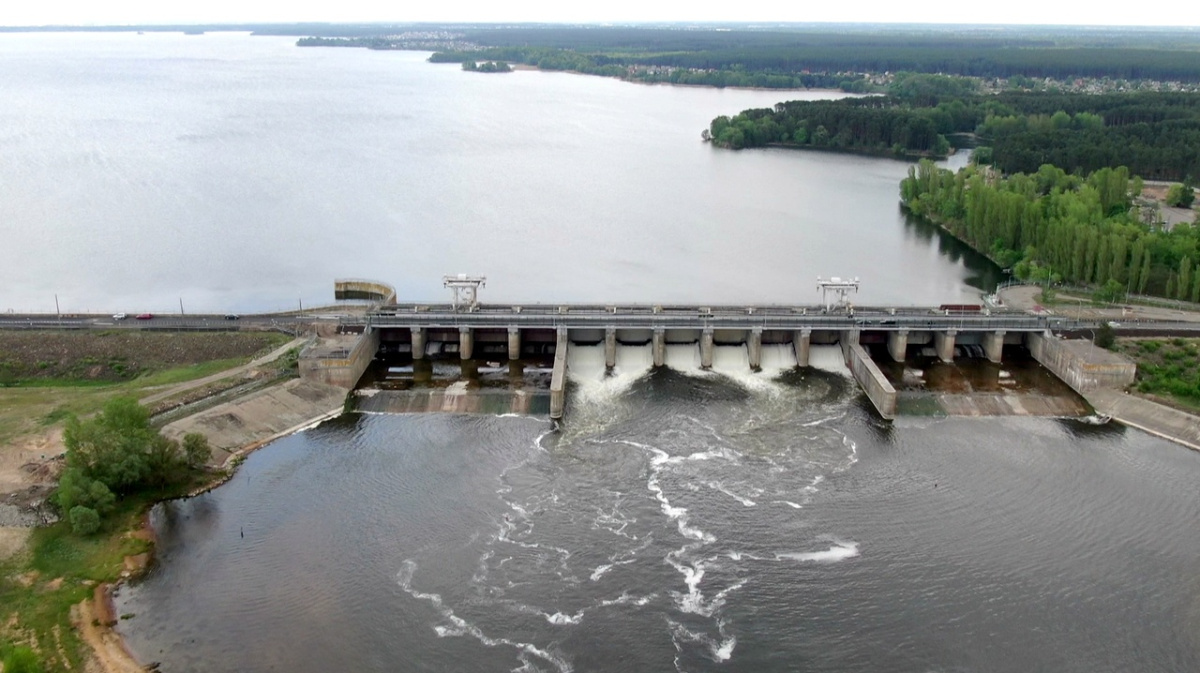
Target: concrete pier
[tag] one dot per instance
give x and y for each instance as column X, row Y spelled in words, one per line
column 872, row 381
column 802, row 344
column 610, row 347
column 1081, row 364
column 943, row 343
column 848, row 339
column 706, row 348
column 993, row 345
column 659, row 347
column 514, row 343
column 466, row 343
column 558, row 380
column 341, row 362
column 418, row 343
column 754, row 346
column 898, row 345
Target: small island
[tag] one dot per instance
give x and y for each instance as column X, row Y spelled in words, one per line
column 487, row 66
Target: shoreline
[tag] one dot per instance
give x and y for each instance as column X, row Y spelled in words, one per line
column 95, row 618
column 533, row 68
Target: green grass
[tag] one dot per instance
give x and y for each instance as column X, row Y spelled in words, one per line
column 35, row 406
column 1168, row 368
column 43, row 613
column 191, row 372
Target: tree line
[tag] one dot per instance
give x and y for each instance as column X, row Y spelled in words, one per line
column 1054, row 53
column 1054, row 226
column 1156, row 135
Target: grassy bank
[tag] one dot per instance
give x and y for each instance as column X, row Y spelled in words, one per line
column 64, row 374
column 1168, row 369
column 49, row 375
column 58, row 570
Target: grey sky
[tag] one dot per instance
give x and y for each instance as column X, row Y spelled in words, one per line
column 75, row 12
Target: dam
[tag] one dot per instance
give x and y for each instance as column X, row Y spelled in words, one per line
column 659, row 333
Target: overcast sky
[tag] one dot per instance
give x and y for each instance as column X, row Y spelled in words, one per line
column 79, row 12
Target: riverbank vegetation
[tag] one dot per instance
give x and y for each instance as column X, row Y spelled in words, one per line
column 736, row 54
column 1051, row 225
column 1167, row 368
column 115, row 454
column 116, row 467
column 1155, row 135
column 486, row 66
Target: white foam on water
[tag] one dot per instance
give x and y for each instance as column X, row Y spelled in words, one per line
column 626, row 599
column 461, row 627
column 718, row 650
column 840, row 551
column 600, row 571
column 684, row 358
column 634, row 359
column 789, row 503
column 717, row 486
column 586, row 368
column 777, row 359
column 828, row 358
column 558, row 618
column 731, row 360
column 585, row 364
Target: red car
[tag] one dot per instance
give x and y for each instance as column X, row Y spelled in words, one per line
column 145, row 316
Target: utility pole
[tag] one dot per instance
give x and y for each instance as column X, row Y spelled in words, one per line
column 56, row 311
column 181, row 306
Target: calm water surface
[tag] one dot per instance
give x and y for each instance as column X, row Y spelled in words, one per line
column 240, row 173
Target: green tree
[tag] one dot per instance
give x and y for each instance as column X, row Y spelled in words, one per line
column 196, row 450
column 1106, row 337
column 84, row 520
column 1112, row 292
column 1180, row 196
column 117, row 452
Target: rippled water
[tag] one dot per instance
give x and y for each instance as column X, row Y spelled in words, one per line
column 685, row 521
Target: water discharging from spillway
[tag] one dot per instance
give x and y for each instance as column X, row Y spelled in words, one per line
column 678, row 520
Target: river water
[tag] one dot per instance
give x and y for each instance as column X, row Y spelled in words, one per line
column 229, row 172
column 685, row 521
column 678, row 520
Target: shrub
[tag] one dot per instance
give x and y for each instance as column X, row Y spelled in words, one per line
column 84, row 521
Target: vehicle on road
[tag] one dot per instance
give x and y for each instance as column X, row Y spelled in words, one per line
column 232, row 316
column 145, row 316
column 119, row 316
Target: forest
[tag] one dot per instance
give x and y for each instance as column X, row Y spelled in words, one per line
column 1054, row 226
column 1155, row 135
column 1032, row 52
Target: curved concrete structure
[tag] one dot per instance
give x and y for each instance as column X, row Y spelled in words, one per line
column 358, row 288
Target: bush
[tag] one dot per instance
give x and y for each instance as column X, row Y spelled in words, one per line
column 84, row 521
column 1106, row 336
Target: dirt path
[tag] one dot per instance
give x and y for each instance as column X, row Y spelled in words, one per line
column 171, row 391
column 1026, row 298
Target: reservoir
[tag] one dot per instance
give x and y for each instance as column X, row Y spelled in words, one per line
column 677, row 520
column 236, row 173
